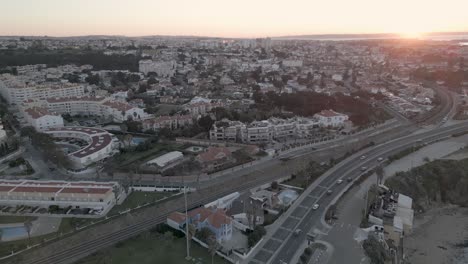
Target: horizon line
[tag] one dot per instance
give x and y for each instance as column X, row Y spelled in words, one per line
column 219, row 37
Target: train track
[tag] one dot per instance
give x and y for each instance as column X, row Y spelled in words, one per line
column 87, row 248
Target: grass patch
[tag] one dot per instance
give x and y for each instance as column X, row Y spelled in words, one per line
column 149, row 248
column 137, row 198
column 16, row 219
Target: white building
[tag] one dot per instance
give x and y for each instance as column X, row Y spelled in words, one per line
column 96, row 106
column 166, row 159
column 162, row 69
column 41, row 119
column 331, row 118
column 99, row 144
column 18, row 92
column 99, row 196
column 264, row 131
column 3, row 134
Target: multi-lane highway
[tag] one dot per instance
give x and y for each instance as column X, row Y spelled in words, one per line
column 282, row 243
column 304, row 217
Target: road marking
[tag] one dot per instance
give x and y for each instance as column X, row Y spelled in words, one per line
column 276, row 239
column 303, row 206
column 294, row 217
column 322, row 186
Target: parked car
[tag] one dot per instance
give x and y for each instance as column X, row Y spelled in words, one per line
column 315, row 206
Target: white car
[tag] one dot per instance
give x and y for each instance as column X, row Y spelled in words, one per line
column 380, row 159
column 363, row 157
column 363, row 168
column 340, row 181
column 315, row 207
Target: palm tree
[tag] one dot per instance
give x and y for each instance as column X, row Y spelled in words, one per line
column 213, row 246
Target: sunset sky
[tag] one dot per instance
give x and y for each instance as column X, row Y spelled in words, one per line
column 235, row 18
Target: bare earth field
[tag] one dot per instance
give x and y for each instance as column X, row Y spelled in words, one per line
column 435, row 236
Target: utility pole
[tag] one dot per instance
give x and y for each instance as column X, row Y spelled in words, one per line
column 186, row 226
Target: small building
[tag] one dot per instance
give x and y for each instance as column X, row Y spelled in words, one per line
column 331, row 118
column 213, row 219
column 215, row 157
column 166, row 159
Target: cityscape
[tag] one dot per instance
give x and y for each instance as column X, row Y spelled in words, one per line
column 228, row 138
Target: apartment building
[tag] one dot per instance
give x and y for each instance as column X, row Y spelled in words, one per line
column 95, row 106
column 264, row 131
column 171, row 122
column 161, row 68
column 16, row 92
column 41, row 119
column 98, row 143
column 330, row 118
column 98, row 196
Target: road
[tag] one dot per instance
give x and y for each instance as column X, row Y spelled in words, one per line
column 281, row 245
column 263, row 173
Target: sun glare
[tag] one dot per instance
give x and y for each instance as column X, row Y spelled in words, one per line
column 411, row 34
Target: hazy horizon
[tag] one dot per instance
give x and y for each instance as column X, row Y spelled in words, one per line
column 240, row 19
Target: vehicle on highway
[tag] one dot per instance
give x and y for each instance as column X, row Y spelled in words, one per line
column 329, row 192
column 315, row 206
column 349, row 179
column 297, row 232
column 340, row 181
column 363, row 157
column 363, row 168
column 380, row 159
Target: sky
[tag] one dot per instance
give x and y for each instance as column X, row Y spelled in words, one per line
column 234, row 18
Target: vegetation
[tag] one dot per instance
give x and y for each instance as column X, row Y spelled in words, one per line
column 375, row 250
column 440, row 181
column 45, row 143
column 69, row 56
column 151, row 247
column 307, row 175
column 255, row 235
column 137, row 198
column 310, row 103
column 403, row 153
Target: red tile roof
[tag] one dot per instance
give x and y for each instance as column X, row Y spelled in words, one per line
column 329, row 113
column 214, row 153
column 30, row 189
column 37, row 112
column 86, row 190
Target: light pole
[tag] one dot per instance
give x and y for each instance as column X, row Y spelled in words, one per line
column 186, row 226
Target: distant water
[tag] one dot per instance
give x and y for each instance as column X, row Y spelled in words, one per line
column 436, row 37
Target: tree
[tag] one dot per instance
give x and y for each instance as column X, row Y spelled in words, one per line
column 213, row 246
column 206, row 122
column 28, row 227
column 375, row 250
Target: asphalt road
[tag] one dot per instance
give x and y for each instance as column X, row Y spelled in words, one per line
column 282, row 245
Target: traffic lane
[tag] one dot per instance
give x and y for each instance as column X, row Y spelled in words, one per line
column 308, row 222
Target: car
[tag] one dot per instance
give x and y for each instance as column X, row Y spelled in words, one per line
column 329, row 192
column 363, row 168
column 315, row 206
column 340, row 181
column 363, row 157
column 380, row 159
column 297, row 232
column 349, row 179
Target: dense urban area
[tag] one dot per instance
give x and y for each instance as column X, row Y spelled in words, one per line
column 216, row 150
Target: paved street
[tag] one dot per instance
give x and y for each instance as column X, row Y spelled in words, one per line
column 302, row 216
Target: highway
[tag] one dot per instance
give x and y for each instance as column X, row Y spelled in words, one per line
column 281, row 245
column 349, row 167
